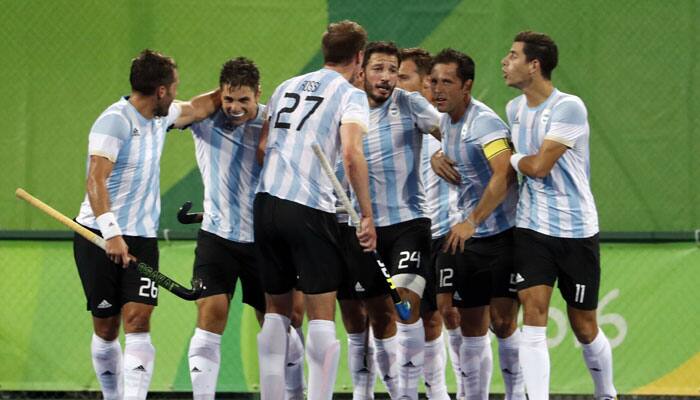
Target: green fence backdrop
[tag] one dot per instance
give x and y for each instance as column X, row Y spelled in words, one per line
column 634, row 63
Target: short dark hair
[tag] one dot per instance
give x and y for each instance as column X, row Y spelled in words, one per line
column 541, row 47
column 240, row 71
column 421, row 57
column 151, row 69
column 381, row 47
column 465, row 64
column 342, row 41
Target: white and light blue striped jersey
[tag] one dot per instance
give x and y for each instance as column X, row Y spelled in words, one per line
column 134, row 144
column 392, row 148
column 464, row 142
column 440, row 196
column 304, row 110
column 560, row 204
column 230, row 172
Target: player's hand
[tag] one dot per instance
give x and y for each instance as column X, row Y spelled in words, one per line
column 186, row 217
column 444, row 167
column 459, row 234
column 118, row 251
column 366, row 234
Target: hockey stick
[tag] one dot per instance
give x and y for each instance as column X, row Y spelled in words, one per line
column 143, row 268
column 185, row 217
column 403, row 307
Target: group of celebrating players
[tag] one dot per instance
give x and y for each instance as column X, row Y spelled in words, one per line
column 433, row 174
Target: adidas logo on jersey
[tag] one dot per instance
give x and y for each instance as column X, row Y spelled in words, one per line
column 139, row 368
column 359, row 288
column 135, row 132
column 104, row 304
column 456, row 296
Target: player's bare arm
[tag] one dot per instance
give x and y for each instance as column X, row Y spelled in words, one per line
column 198, row 108
column 495, row 192
column 356, row 170
column 98, row 171
column 539, row 165
column 444, row 167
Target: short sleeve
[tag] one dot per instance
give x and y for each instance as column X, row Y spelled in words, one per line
column 427, row 118
column 108, row 135
column 488, row 128
column 173, row 113
column 271, row 104
column 569, row 122
column 356, row 109
column 511, row 109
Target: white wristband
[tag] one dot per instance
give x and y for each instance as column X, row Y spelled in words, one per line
column 108, row 225
column 515, row 159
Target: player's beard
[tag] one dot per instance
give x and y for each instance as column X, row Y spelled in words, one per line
column 379, row 99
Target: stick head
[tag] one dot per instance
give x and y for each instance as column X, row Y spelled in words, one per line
column 403, row 309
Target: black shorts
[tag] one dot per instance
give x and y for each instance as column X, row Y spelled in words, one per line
column 443, row 265
column 297, row 247
column 542, row 259
column 220, row 263
column 108, row 286
column 484, row 270
column 404, row 248
column 439, row 277
column 350, row 288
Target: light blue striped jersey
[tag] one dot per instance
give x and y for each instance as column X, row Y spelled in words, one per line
column 392, row 148
column 560, row 204
column 464, row 142
column 304, row 110
column 441, row 197
column 134, row 144
column 230, row 172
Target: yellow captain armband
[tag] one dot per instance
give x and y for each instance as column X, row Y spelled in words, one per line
column 496, row 147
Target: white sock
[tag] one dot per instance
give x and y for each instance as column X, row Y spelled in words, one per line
column 322, row 354
column 204, row 359
column 476, row 361
column 410, row 357
column 534, row 360
column 139, row 357
column 598, row 357
column 294, row 366
column 272, row 352
column 107, row 361
column 361, row 365
column 455, row 341
column 385, row 357
column 434, row 369
column 510, row 367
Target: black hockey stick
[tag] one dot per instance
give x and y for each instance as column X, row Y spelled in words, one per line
column 143, row 268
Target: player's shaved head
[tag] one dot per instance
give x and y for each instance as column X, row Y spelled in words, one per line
column 342, row 41
column 151, row 69
column 541, row 47
column 420, row 57
column 238, row 72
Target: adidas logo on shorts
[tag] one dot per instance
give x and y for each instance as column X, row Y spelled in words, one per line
column 519, row 278
column 359, row 288
column 456, row 296
column 104, row 304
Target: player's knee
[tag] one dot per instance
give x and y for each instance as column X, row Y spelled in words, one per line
column 503, row 327
column 584, row 326
column 383, row 322
column 106, row 328
column 137, row 323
